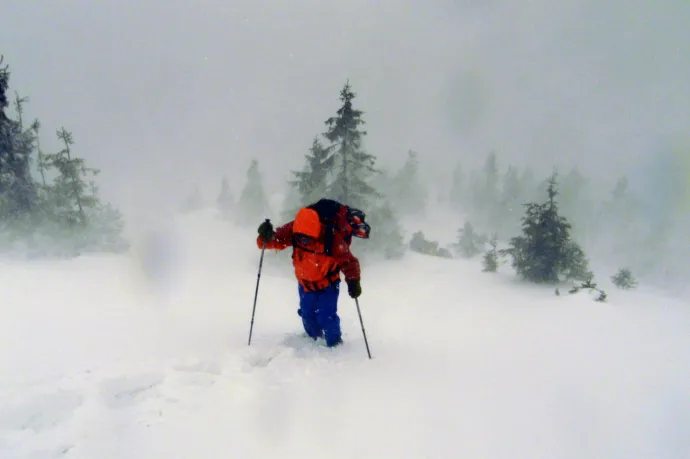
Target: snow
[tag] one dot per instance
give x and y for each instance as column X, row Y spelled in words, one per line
column 145, row 355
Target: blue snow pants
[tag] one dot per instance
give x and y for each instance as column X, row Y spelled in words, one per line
column 319, row 313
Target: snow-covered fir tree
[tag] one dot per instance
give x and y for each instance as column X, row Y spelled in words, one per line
column 469, row 242
column 353, row 167
column 510, row 204
column 70, row 194
column 225, row 202
column 491, row 257
column 545, row 251
column 194, row 201
column 490, row 212
column 83, row 222
column 407, row 193
column 311, row 182
column 574, row 202
column 386, row 235
column 252, row 205
column 458, row 195
column 17, row 187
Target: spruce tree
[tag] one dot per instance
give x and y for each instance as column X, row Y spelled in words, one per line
column 312, row 181
column 469, row 243
column 545, row 252
column 386, row 235
column 17, row 188
column 70, row 191
column 253, row 203
column 509, row 203
column 491, row 256
column 458, row 195
column 490, row 207
column 4, row 85
column 194, row 201
column 353, row 167
column 225, row 202
column 407, row 193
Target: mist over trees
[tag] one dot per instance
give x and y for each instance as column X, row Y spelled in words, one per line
column 49, row 202
column 502, row 206
column 613, row 227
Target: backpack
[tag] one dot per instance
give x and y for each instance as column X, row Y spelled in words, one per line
column 313, row 231
column 315, row 225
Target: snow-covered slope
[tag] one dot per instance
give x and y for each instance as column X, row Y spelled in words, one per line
column 146, row 356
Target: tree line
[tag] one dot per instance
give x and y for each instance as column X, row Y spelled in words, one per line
column 49, row 201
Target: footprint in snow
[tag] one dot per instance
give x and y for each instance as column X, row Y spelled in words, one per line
column 40, row 412
column 129, row 390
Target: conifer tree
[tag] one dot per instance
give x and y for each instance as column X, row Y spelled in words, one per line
column 407, row 193
column 353, row 167
column 253, row 203
column 489, row 201
column 574, row 203
column 4, row 85
column 387, row 235
column 61, row 216
column 17, row 188
column 458, row 196
column 509, row 203
column 225, row 202
column 70, row 191
column 490, row 260
column 469, row 243
column 312, row 181
column 193, row 202
column 545, row 252
column 624, row 279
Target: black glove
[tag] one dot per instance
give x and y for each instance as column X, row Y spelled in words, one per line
column 266, row 231
column 354, row 289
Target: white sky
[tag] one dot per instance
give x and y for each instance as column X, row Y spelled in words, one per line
column 161, row 93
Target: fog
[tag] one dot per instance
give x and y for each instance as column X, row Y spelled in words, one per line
column 163, row 95
column 184, row 91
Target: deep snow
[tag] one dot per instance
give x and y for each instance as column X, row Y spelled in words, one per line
column 146, row 356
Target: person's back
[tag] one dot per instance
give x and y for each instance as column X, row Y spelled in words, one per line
column 320, row 236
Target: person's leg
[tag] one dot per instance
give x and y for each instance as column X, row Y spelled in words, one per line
column 327, row 314
column 308, row 302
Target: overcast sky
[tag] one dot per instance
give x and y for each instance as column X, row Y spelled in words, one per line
column 163, row 93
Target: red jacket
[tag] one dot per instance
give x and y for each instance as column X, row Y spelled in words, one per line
column 315, row 271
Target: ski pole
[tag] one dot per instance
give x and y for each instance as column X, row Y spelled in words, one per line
column 359, row 313
column 256, row 293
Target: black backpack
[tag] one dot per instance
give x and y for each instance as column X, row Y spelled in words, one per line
column 329, row 210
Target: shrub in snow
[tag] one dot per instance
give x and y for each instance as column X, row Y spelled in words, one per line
column 624, row 279
column 592, row 287
column 420, row 244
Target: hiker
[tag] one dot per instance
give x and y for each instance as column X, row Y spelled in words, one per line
column 320, row 237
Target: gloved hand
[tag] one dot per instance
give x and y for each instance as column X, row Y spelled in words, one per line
column 354, row 289
column 266, row 231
